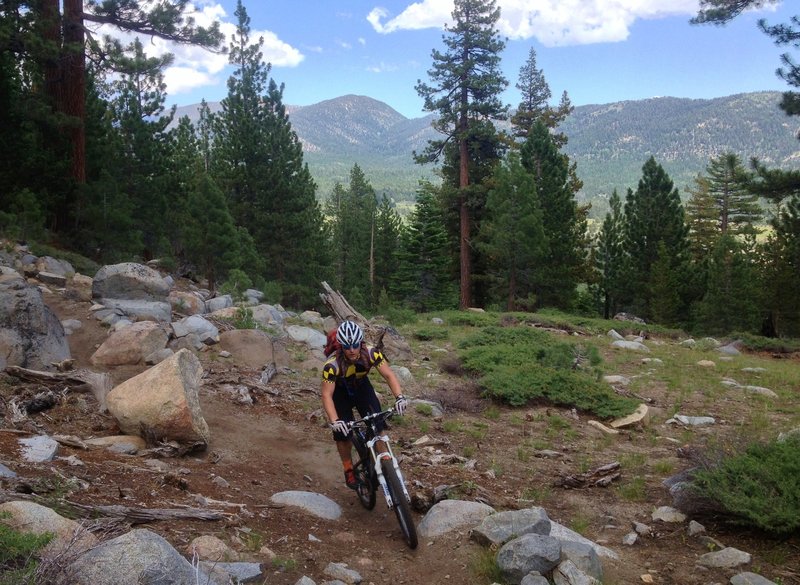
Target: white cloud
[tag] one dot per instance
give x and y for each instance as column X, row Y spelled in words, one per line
column 382, row 67
column 551, row 22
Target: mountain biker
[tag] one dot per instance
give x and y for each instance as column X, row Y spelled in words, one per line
column 346, row 385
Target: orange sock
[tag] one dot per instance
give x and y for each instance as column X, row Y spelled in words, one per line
column 348, row 465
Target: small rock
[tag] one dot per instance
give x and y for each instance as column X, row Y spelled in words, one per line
column 750, row 579
column 630, row 539
column 668, row 514
column 727, row 558
column 696, row 528
column 706, row 364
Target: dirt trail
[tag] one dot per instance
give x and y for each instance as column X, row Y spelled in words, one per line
column 277, row 444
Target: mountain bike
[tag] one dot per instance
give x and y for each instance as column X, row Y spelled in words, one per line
column 374, row 469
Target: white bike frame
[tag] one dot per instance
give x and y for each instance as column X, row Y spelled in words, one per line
column 377, row 458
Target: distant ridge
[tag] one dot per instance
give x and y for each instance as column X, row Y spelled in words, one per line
column 609, row 142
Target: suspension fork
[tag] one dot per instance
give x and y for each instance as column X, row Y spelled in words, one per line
column 376, row 460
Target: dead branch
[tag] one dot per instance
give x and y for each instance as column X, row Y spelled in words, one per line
column 600, row 477
column 83, row 380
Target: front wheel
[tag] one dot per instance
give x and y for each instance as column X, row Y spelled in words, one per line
column 364, row 475
column 401, row 508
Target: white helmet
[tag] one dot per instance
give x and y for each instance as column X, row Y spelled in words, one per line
column 349, row 334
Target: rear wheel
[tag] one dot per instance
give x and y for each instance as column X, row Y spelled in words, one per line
column 401, row 508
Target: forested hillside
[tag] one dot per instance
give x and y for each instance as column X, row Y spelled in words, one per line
column 609, row 142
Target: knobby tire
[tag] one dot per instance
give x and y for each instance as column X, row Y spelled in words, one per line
column 401, row 508
column 367, row 484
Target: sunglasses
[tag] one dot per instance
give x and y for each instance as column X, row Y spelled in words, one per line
column 351, row 346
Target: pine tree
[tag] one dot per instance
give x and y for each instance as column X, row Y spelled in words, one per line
column 210, row 236
column 653, row 214
column 782, row 271
column 140, row 119
column 257, row 161
column 564, row 223
column 535, row 93
column 610, row 260
column 466, row 83
column 388, row 227
column 663, row 287
column 513, row 238
column 732, row 299
column 49, row 36
column 737, row 206
column 352, row 210
column 702, row 218
column 423, row 279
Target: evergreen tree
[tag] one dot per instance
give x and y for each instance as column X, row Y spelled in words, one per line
column 610, row 261
column 513, row 238
column 353, row 213
column 258, row 163
column 702, row 218
column 423, row 278
column 564, row 223
column 466, row 83
column 535, row 93
column 782, row 271
column 210, row 236
column 138, row 111
column 388, row 227
column 663, row 287
column 535, row 106
column 653, row 214
column 51, row 35
column 731, row 302
column 728, row 183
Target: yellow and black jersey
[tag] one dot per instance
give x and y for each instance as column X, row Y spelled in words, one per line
column 337, row 369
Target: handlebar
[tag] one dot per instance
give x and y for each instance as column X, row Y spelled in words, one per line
column 364, row 421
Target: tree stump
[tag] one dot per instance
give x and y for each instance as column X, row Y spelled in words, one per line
column 382, row 337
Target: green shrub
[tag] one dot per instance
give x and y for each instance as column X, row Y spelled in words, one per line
column 236, row 283
column 81, row 264
column 397, row 316
column 521, row 364
column 772, row 344
column 758, row 488
column 17, row 555
column 244, row 319
column 431, row 333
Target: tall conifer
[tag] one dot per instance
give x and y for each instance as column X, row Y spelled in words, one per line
column 464, row 90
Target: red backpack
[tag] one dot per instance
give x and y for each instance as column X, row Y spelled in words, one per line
column 332, row 345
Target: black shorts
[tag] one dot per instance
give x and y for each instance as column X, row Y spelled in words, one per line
column 363, row 399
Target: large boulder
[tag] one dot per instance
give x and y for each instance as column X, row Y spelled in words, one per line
column 162, row 402
column 139, row 556
column 131, row 281
column 69, row 537
column 130, row 345
column 31, row 336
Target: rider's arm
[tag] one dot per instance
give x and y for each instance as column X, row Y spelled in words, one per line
column 327, row 400
column 391, row 379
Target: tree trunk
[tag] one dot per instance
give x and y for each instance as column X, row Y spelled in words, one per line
column 75, row 84
column 465, row 293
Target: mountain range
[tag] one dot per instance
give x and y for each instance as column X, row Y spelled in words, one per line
column 609, row 142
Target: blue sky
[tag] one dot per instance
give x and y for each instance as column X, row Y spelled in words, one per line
column 598, row 51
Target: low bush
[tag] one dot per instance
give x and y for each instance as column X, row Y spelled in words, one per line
column 758, row 488
column 431, row 333
column 18, row 562
column 521, row 364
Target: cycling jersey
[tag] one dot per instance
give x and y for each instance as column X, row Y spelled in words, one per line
column 350, row 375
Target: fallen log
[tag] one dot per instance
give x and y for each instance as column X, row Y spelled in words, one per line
column 83, row 380
column 142, row 515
